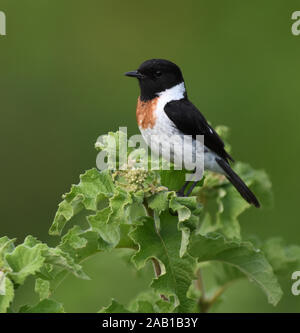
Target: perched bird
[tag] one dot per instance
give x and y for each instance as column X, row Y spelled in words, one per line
column 163, row 108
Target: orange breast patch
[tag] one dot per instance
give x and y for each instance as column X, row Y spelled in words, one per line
column 145, row 114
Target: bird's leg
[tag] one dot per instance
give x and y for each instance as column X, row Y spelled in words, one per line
column 191, row 188
column 180, row 193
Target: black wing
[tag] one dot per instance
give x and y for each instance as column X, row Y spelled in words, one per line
column 188, row 119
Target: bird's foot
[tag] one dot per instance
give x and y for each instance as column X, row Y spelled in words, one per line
column 180, row 193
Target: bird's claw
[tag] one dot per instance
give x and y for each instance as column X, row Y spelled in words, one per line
column 180, row 194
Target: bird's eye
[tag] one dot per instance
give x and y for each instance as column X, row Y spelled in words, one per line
column 158, row 73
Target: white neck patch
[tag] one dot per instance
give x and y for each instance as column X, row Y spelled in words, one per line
column 172, row 94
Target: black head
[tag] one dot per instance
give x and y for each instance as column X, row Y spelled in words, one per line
column 156, row 75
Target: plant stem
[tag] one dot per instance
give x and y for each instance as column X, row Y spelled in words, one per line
column 206, row 303
column 202, row 302
column 200, row 283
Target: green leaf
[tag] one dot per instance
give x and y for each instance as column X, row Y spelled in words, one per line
column 94, row 186
column 150, row 302
column 6, row 292
column 285, row 259
column 2, row 283
column 164, row 245
column 241, row 255
column 144, row 302
column 135, row 211
column 159, row 201
column 188, row 209
column 117, row 205
column 6, row 246
column 25, row 261
column 59, row 258
column 55, row 259
column 89, row 238
column 223, row 204
column 225, row 273
column 184, row 206
column 44, row 306
column 42, row 288
column 126, row 241
column 108, row 232
column 114, row 307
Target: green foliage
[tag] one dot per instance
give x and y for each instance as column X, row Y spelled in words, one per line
column 164, row 245
column 139, row 210
column 241, row 255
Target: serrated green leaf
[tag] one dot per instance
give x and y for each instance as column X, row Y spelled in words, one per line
column 188, row 209
column 90, row 238
column 93, row 187
column 25, row 261
column 109, row 232
column 159, row 201
column 117, row 205
column 56, row 257
column 241, row 255
column 184, row 206
column 164, row 246
column 31, row 241
column 215, row 195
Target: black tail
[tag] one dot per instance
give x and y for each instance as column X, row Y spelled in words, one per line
column 238, row 183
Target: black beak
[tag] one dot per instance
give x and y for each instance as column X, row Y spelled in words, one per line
column 136, row 74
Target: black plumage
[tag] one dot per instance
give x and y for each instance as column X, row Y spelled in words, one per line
column 189, row 120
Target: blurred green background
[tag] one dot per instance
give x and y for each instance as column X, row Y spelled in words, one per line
column 62, row 85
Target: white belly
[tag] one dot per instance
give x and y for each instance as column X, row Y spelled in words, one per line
column 167, row 141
